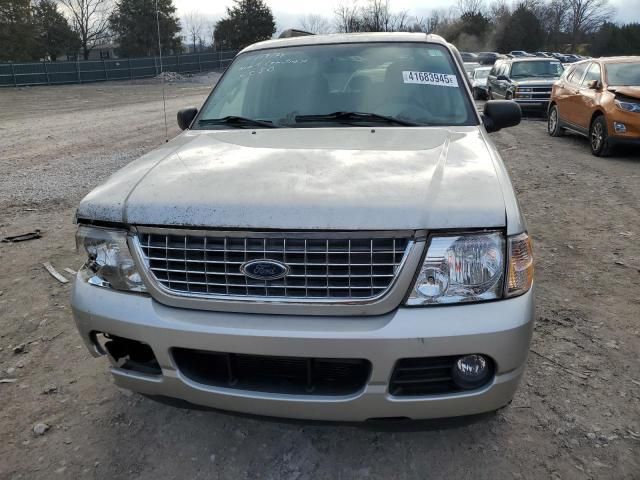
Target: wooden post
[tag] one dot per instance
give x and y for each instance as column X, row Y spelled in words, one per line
column 104, row 67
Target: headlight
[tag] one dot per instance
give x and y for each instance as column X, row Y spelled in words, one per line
column 628, row 106
column 109, row 262
column 471, row 268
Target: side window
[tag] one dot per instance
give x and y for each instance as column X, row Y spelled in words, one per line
column 505, row 70
column 495, row 68
column 576, row 75
column 593, row 73
column 567, row 73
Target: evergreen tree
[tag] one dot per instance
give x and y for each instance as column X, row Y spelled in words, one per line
column 522, row 31
column 53, row 34
column 16, row 30
column 247, row 22
column 133, row 23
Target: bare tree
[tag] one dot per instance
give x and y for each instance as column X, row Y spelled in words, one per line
column 194, row 27
column 499, row 10
column 586, row 16
column 553, row 17
column 469, row 7
column 376, row 16
column 90, row 18
column 314, row 23
column 347, row 17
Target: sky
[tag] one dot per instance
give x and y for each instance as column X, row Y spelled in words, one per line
column 289, row 12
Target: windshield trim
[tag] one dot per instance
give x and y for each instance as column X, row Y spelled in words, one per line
column 474, row 119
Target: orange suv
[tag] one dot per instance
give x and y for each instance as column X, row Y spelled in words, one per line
column 600, row 99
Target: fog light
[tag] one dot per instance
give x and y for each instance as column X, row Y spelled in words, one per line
column 471, row 371
column 619, row 127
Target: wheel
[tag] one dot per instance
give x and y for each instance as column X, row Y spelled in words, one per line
column 553, row 123
column 598, row 137
column 508, row 96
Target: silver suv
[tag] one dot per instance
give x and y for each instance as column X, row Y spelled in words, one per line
column 333, row 236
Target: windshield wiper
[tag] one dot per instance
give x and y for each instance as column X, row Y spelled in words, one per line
column 236, row 121
column 355, row 116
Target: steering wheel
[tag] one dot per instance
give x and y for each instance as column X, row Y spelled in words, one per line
column 385, row 107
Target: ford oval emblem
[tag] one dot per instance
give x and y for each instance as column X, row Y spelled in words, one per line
column 265, row 269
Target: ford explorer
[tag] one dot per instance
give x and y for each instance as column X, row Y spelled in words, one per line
column 333, row 236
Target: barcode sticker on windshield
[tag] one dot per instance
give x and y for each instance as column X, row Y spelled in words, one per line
column 430, row 78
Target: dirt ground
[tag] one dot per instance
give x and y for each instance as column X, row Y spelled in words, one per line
column 576, row 415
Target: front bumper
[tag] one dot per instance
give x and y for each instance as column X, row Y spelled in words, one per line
column 533, row 103
column 501, row 330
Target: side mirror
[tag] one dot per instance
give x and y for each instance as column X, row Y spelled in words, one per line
column 502, row 78
column 186, row 116
column 500, row 114
column 593, row 84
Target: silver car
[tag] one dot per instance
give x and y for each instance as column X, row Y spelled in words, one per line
column 333, row 236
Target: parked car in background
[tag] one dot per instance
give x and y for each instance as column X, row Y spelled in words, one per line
column 479, row 82
column 469, row 57
column 469, row 67
column 525, row 80
column 543, row 54
column 599, row 99
column 571, row 58
column 518, row 53
column 559, row 56
column 488, row 58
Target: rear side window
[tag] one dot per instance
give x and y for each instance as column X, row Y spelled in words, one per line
column 593, row 73
column 576, row 75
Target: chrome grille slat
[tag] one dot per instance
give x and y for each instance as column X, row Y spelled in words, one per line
column 202, row 272
column 334, row 266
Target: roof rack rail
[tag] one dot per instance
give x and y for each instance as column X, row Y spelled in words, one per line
column 294, row 32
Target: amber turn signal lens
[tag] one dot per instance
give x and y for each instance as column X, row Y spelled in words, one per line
column 520, row 275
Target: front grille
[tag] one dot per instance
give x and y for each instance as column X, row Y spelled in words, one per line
column 423, row 376
column 272, row 374
column 337, row 266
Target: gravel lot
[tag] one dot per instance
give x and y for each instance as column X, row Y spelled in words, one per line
column 576, row 415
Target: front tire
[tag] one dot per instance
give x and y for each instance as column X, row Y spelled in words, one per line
column 599, row 137
column 553, row 123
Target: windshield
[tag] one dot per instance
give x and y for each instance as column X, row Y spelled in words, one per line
column 414, row 82
column 623, row 74
column 536, row 69
column 482, row 74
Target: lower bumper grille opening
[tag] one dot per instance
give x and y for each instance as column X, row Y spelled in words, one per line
column 273, row 374
column 425, row 376
column 132, row 355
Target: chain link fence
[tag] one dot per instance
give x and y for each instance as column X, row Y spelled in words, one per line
column 56, row 73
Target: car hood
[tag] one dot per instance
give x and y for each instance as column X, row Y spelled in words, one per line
column 527, row 81
column 629, row 91
column 330, row 178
